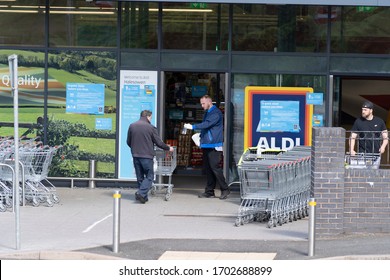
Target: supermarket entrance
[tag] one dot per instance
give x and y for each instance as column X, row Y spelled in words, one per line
column 351, row 92
column 182, row 91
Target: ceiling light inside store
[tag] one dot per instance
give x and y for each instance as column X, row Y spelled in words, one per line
column 86, row 10
column 82, row 12
column 183, row 10
column 19, row 11
column 57, row 10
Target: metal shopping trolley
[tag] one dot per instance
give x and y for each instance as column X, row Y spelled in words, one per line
column 256, row 185
column 36, row 163
column 275, row 188
column 6, row 175
column 6, row 192
column 292, row 199
column 164, row 165
column 363, row 161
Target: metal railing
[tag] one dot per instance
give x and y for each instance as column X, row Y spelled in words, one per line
column 367, row 145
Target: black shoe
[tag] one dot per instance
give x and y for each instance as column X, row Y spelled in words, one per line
column 224, row 194
column 206, row 195
column 140, row 198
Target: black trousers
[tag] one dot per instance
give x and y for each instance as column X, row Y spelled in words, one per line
column 212, row 163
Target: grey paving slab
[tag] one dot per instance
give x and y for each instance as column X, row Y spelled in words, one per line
column 83, row 222
column 84, row 218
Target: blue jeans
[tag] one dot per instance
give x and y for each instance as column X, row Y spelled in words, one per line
column 145, row 174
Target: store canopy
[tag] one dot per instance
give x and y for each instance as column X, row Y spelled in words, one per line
column 283, row 2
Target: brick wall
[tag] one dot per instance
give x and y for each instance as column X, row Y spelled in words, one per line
column 348, row 200
column 328, row 179
column 367, row 201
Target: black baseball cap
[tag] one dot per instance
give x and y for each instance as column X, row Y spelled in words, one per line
column 368, row 105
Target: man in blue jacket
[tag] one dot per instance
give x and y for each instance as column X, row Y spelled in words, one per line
column 211, row 142
column 141, row 138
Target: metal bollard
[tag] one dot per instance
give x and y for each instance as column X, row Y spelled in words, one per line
column 92, row 174
column 116, row 221
column 312, row 223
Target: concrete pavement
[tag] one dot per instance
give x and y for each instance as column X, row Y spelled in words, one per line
column 81, row 227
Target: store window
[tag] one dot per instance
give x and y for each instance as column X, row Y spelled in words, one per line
column 139, row 25
column 237, row 109
column 30, row 92
column 82, row 111
column 27, row 19
column 358, row 29
column 279, row 28
column 82, row 23
column 195, row 26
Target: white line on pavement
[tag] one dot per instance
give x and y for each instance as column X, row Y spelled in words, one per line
column 95, row 223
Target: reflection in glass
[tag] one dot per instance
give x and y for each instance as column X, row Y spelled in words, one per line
column 361, row 30
column 139, row 25
column 195, row 26
column 28, row 23
column 279, row 28
column 82, row 23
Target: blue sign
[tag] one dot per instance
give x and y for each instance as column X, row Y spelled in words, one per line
column 138, row 93
column 279, row 116
column 150, row 90
column 198, row 91
column 315, row 98
column 85, row 98
column 131, row 90
column 103, row 123
column 318, row 120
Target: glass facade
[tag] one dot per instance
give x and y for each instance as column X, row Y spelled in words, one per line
column 82, row 23
column 193, row 26
column 27, row 19
column 78, row 130
column 139, row 25
column 237, row 109
column 360, row 30
column 31, row 85
column 278, row 28
column 80, row 42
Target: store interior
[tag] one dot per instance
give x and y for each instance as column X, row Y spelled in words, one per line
column 355, row 90
column 182, row 105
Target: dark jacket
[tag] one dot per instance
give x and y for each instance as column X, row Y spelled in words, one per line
column 211, row 127
column 141, row 138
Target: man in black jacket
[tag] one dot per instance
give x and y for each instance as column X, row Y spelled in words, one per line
column 141, row 138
